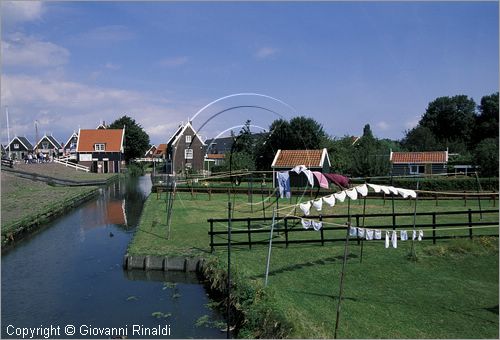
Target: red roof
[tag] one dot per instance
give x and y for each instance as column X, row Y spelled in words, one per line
column 215, row 156
column 420, row 157
column 292, row 158
column 161, row 149
column 111, row 138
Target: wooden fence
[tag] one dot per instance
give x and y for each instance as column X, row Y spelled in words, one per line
column 291, row 225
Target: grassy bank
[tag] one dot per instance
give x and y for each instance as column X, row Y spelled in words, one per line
column 451, row 291
column 27, row 203
column 61, row 172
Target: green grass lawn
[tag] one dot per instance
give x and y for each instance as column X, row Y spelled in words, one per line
column 451, row 291
column 62, row 172
column 24, row 200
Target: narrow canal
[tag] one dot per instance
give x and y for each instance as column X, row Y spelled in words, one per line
column 70, row 273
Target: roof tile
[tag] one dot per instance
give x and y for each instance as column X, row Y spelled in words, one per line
column 291, row 158
column 420, row 157
column 111, row 137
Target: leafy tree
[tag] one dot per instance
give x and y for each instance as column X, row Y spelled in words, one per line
column 486, row 156
column 136, row 139
column 340, row 151
column 420, row 138
column 450, row 119
column 371, row 158
column 487, row 120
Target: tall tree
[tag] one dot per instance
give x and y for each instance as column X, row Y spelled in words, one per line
column 487, row 120
column 420, row 138
column 136, row 139
column 371, row 156
column 486, row 156
column 450, row 119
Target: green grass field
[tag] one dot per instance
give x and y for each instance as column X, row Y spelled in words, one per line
column 451, row 291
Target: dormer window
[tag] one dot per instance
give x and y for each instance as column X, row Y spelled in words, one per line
column 100, row 147
column 16, row 146
column 188, row 139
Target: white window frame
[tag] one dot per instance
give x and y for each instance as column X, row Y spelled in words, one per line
column 16, row 146
column 188, row 153
column 100, row 147
column 188, row 138
column 414, row 169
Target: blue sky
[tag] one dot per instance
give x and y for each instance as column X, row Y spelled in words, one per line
column 72, row 64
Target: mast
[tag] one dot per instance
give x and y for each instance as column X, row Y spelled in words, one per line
column 8, row 129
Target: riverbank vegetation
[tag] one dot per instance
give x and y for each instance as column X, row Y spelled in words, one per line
column 450, row 291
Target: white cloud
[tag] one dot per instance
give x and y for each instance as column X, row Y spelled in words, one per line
column 174, row 61
column 383, row 125
column 21, row 11
column 21, row 50
column 107, row 34
column 266, row 52
column 64, row 106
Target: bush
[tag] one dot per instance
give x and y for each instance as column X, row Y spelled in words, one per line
column 136, row 169
column 442, row 184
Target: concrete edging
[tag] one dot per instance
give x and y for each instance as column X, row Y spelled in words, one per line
column 163, row 263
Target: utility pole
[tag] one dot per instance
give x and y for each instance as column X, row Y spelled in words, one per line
column 8, row 129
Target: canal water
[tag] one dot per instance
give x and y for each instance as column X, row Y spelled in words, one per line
column 70, row 274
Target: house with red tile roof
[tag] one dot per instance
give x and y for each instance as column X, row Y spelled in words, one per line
column 314, row 160
column 101, row 150
column 419, row 163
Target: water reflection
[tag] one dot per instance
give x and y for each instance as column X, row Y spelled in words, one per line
column 71, row 273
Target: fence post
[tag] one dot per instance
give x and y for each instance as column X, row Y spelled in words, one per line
column 434, row 228
column 357, row 225
column 211, row 235
column 465, row 199
column 321, row 231
column 286, row 232
column 436, row 198
column 249, row 234
column 470, row 223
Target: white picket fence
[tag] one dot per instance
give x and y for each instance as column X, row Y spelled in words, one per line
column 64, row 161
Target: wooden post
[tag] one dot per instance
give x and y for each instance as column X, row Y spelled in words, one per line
column 249, row 234
column 434, row 228
column 362, row 241
column 341, row 285
column 211, row 235
column 470, row 223
column 321, row 231
column 479, row 197
column 465, row 199
column 286, row 232
column 228, row 333
column 414, row 226
column 357, row 225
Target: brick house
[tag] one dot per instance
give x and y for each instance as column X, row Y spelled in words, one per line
column 417, row 163
column 101, row 150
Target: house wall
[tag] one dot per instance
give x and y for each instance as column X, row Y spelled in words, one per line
column 18, row 153
column 178, row 153
column 103, row 162
column 404, row 169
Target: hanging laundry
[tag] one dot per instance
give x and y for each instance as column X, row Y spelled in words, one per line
column 385, row 189
column 412, row 193
column 403, row 192
column 283, row 179
column 352, row 193
column 361, row 232
column 330, row 200
column 353, row 231
column 414, row 236
column 404, row 235
column 340, row 196
column 339, row 180
column 317, row 225
column 310, row 177
column 362, row 189
column 322, row 181
column 305, row 207
column 378, row 234
column 318, row 204
column 306, row 223
column 369, row 234
column 375, row 187
column 420, row 235
column 393, row 190
column 387, row 239
column 299, row 168
column 394, row 239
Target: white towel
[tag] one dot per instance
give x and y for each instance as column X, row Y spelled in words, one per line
column 353, row 231
column 310, row 176
column 393, row 190
column 299, row 168
column 317, row 225
column 404, row 235
column 306, row 223
column 375, row 187
column 414, row 236
column 318, row 204
column 420, row 235
column 340, row 196
column 378, row 234
column 305, row 207
column 369, row 234
column 363, row 190
column 352, row 193
column 403, row 192
column 361, row 232
column 387, row 239
column 394, row 239
column 330, row 200
column 385, row 189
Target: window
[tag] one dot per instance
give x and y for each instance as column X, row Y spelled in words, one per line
column 188, row 153
column 417, row 169
column 45, row 145
column 99, row 147
column 16, row 146
column 188, row 139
